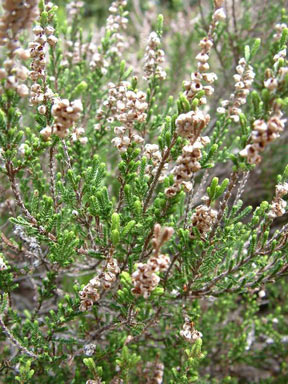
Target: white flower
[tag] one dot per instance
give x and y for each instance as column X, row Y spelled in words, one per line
column 271, row 84
column 221, row 110
column 210, row 77
column 202, row 57
column 22, row 90
column 219, row 15
column 22, row 148
column 46, row 133
column 52, row 40
column 42, row 109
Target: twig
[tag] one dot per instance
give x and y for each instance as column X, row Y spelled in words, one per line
column 158, row 173
column 20, row 203
column 15, row 341
column 52, row 175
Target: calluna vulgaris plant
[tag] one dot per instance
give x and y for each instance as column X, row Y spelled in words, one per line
column 136, row 244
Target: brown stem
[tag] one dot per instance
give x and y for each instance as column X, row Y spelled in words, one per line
column 158, row 173
column 220, row 215
column 15, row 341
column 20, row 203
column 52, row 175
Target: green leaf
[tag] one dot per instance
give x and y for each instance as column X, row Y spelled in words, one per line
column 247, row 54
column 255, row 47
column 159, row 28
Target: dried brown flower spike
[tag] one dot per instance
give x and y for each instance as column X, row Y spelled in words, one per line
column 145, row 278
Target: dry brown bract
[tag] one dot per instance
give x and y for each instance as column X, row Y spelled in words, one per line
column 278, row 206
column 262, row 134
column 18, row 15
column 187, row 164
column 105, row 279
column 154, row 57
column 145, row 279
column 154, row 372
column 203, row 219
column 65, row 114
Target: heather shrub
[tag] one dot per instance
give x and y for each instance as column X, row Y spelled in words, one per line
column 144, row 186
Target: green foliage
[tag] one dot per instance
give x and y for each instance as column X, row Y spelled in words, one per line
column 92, row 288
column 25, row 373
